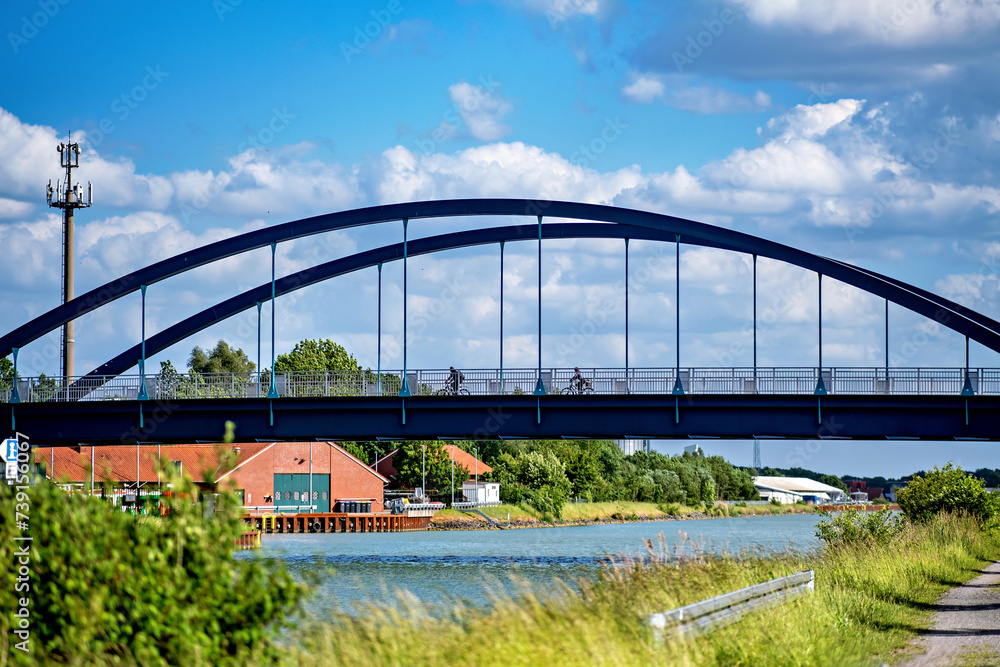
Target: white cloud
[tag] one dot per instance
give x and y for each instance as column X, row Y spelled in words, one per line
column 899, row 23
column 481, row 109
column 496, row 170
column 821, row 165
column 710, row 99
column 644, row 88
column 565, row 9
column 29, row 152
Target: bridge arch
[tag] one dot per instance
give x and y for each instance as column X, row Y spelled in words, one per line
column 625, row 223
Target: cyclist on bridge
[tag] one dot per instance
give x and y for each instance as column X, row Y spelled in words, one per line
column 578, row 382
column 455, row 378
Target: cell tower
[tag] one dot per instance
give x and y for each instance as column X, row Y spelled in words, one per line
column 68, row 198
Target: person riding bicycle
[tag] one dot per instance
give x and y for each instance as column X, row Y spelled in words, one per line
column 455, row 378
column 578, row 382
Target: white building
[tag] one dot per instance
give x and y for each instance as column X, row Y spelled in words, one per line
column 482, row 493
column 630, row 447
column 792, row 489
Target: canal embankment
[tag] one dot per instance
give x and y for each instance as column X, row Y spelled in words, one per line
column 871, row 598
column 582, row 514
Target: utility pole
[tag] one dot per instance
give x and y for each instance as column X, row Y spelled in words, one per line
column 68, row 198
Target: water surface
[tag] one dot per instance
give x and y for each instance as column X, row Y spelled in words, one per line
column 475, row 565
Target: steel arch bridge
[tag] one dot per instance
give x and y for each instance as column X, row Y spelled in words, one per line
column 637, row 405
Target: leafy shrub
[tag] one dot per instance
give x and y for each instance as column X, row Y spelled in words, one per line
column 670, row 508
column 107, row 586
column 854, row 526
column 775, row 501
column 948, row 489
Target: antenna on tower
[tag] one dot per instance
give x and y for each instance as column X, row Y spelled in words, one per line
column 68, row 198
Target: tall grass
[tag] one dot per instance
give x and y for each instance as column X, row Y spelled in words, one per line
column 869, row 601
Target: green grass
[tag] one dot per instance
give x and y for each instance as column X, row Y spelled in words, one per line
column 869, row 602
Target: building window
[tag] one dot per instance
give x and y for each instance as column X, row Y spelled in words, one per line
column 324, row 495
column 315, row 495
column 295, row 496
column 288, row 495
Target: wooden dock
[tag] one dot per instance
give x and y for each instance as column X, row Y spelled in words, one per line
column 338, row 522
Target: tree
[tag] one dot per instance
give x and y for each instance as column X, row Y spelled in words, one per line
column 6, row 374
column 535, row 476
column 438, row 466
column 316, row 355
column 947, row 489
column 833, row 480
column 221, row 359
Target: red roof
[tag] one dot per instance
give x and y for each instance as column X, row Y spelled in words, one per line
column 385, row 464
column 117, row 463
column 466, row 459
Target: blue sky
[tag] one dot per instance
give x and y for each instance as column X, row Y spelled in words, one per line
column 865, row 130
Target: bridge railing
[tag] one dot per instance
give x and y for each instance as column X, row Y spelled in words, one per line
column 489, row 382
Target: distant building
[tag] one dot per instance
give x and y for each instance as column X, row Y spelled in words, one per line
column 858, row 485
column 483, row 493
column 630, row 447
column 792, row 489
column 289, row 474
column 385, row 467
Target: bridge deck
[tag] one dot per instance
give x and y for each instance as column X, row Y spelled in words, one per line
column 508, row 417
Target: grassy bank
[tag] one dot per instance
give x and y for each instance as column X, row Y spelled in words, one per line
column 869, row 601
column 525, row 516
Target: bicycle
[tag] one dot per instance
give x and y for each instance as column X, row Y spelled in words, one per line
column 449, row 390
column 587, row 388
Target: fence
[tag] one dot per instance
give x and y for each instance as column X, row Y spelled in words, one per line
column 716, row 612
column 491, row 382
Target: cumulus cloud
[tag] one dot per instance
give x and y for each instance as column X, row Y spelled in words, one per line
column 829, row 167
column 30, row 150
column 899, row 23
column 481, row 109
column 710, row 99
column 644, row 88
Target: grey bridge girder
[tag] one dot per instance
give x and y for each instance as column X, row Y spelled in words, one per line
column 976, row 326
column 495, row 417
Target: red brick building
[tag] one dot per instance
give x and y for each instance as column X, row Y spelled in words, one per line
column 260, row 471
column 861, row 486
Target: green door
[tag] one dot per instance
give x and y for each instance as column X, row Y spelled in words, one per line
column 292, row 489
column 283, row 490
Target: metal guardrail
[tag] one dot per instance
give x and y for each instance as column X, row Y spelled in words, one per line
column 716, row 612
column 473, row 505
column 489, row 382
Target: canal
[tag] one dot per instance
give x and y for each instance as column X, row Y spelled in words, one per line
column 473, row 565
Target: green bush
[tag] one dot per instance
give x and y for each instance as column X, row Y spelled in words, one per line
column 854, row 526
column 948, row 489
column 106, row 586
